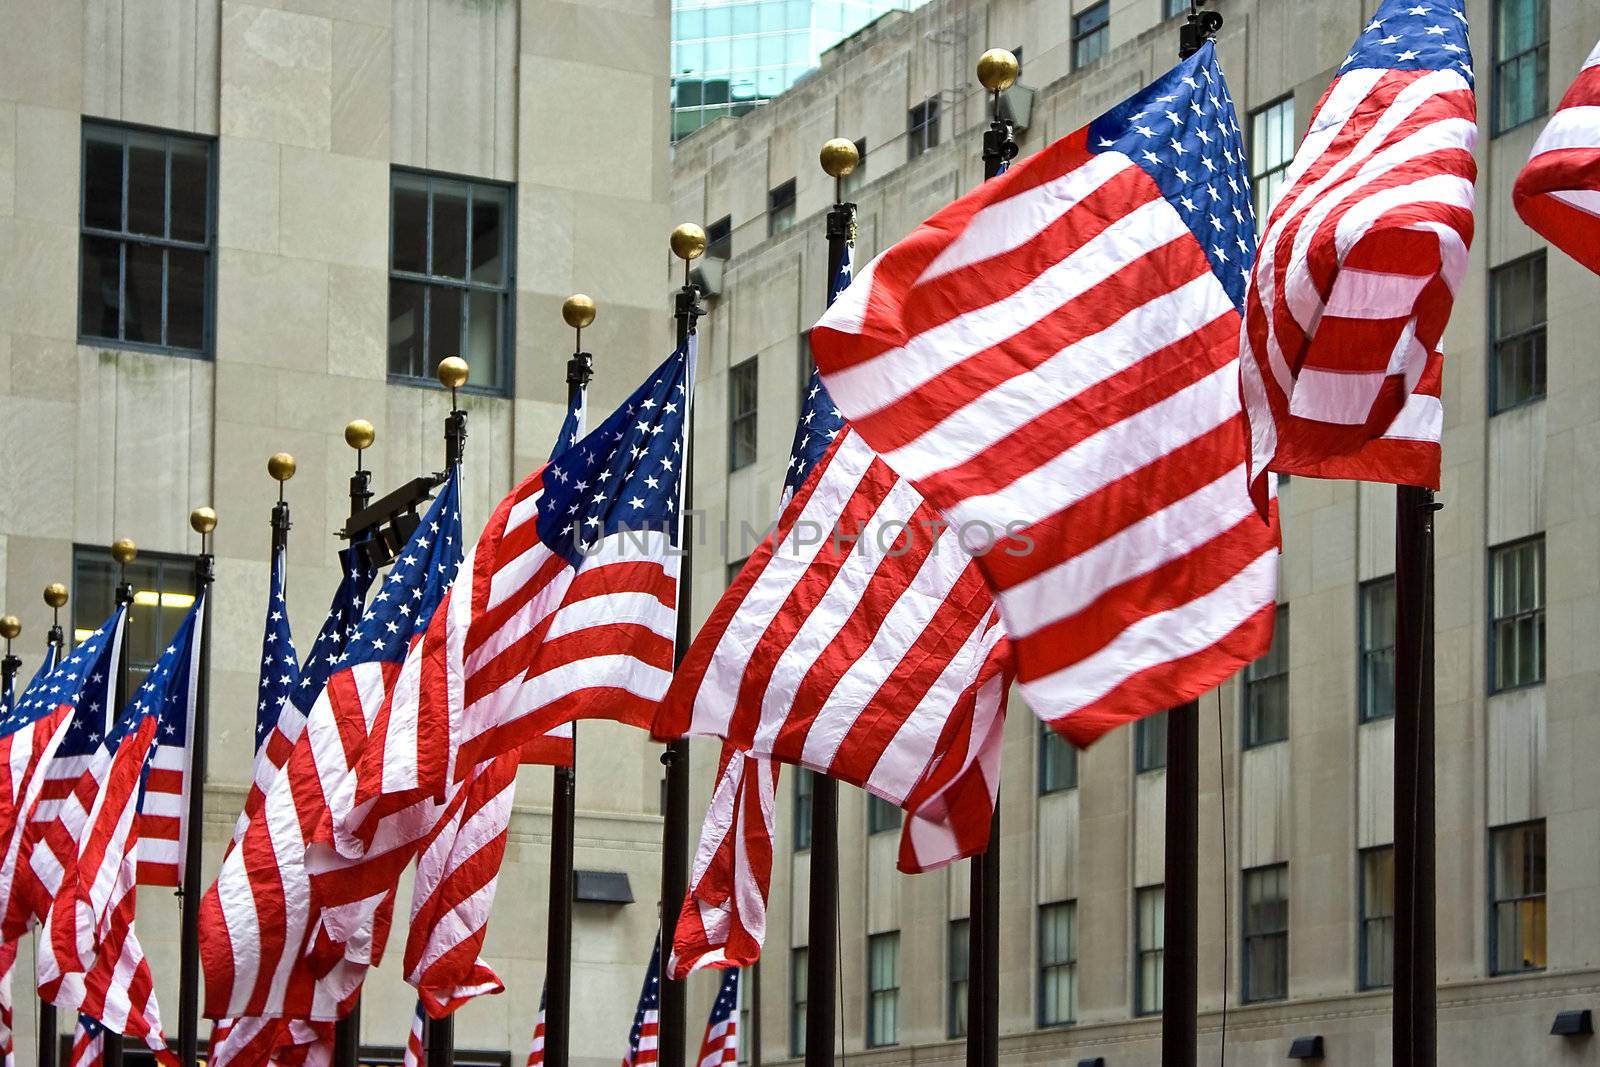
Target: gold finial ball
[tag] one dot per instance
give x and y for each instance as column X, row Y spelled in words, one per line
column 203, row 520
column 359, row 434
column 997, row 70
column 55, row 594
column 578, row 310
column 281, row 466
column 123, row 550
column 10, row 626
column 839, row 157
column 688, row 241
column 453, row 372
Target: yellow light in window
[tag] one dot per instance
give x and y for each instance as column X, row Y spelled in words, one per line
column 80, row 635
column 154, row 598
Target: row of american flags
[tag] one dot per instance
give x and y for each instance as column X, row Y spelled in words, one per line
column 1091, row 359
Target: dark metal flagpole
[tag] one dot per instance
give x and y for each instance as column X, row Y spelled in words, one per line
column 55, row 595
column 839, row 157
column 203, row 520
column 997, row 72
column 688, row 243
column 578, row 311
column 1415, row 902
column 123, row 551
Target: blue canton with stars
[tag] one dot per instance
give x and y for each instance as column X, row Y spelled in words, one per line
column 820, row 421
column 727, row 1001
column 624, row 474
column 279, row 669
column 52, row 656
column 349, row 603
column 417, row 581
column 649, row 1001
column 1182, row 131
column 86, row 680
column 572, row 425
column 165, row 692
column 1408, row 35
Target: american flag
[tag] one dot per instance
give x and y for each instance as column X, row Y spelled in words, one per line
column 1052, row 362
column 267, row 945
column 1558, row 191
column 8, row 966
column 536, row 1048
column 269, row 1042
column 88, row 957
column 60, row 720
column 1361, row 260
column 415, row 1053
column 644, row 1036
column 721, row 1043
column 88, row 1043
column 280, row 669
column 164, row 797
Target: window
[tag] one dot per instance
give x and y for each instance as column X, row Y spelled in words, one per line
column 734, row 568
column 1266, row 689
column 780, row 209
column 163, row 590
column 956, row 954
column 1058, row 963
column 882, row 816
column 858, row 177
column 1271, row 152
column 743, row 387
column 1266, row 933
column 1091, row 35
column 803, row 785
column 1150, row 909
column 450, row 277
column 1517, row 922
column 1150, row 743
column 1377, row 917
column 922, row 127
column 1517, row 319
column 1521, row 61
column 1058, row 762
column 1377, row 649
column 1173, row 8
column 145, row 264
column 797, row 1001
column 719, row 238
column 1517, row 628
column 883, row 989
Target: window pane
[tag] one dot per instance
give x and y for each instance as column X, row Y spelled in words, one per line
column 1377, row 650
column 410, row 224
column 190, row 191
column 147, row 184
column 405, row 329
column 100, row 272
column 1058, row 762
column 488, row 222
column 482, row 350
column 141, row 315
column 186, row 295
column 102, row 180
column 449, row 229
column 444, row 325
column 1150, row 742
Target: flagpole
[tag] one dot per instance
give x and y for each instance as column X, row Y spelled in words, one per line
column 203, row 520
column 359, row 434
column 55, row 595
column 578, row 311
column 997, row 72
column 1415, row 1031
column 123, row 551
column 688, row 243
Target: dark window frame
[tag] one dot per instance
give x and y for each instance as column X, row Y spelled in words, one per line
column 166, row 565
column 1277, row 935
column 852, row 182
column 1279, row 169
column 1146, row 738
column 1057, row 762
column 719, row 238
column 957, row 980
column 1497, row 901
column 741, row 417
column 1371, row 973
column 804, row 782
column 506, row 290
column 1088, row 25
column 1171, row 9
column 922, row 127
column 1262, row 724
column 1143, row 951
column 1537, row 335
column 882, row 816
column 1536, row 614
column 1374, row 660
column 799, row 956
column 781, row 210
column 887, row 996
column 1052, row 966
column 1540, row 53
column 124, row 238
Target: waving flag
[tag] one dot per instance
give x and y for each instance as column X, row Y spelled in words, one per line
column 644, row 1037
column 8, row 966
column 1052, row 362
column 264, row 940
column 536, row 1048
column 270, row 1042
column 88, row 1043
column 280, row 669
column 89, row 958
column 1558, row 192
column 1361, row 260
column 721, row 1043
column 415, row 1053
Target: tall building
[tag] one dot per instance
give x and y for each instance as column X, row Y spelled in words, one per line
column 728, row 56
column 1297, row 752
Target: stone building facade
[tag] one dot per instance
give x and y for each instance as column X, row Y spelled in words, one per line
column 1297, row 753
